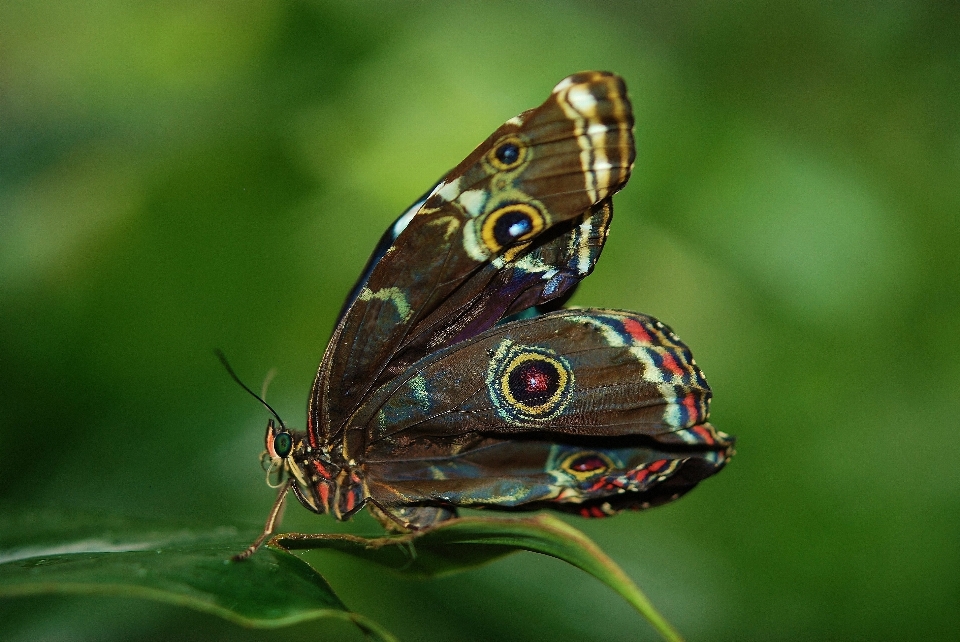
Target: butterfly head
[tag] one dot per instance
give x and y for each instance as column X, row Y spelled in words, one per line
column 289, row 456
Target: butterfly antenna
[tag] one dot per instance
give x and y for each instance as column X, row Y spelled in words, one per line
column 233, row 375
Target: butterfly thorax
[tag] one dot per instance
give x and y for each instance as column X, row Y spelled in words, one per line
column 323, row 481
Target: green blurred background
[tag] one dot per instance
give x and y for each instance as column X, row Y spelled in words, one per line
column 176, row 177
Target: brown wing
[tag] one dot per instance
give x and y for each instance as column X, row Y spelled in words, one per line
column 578, row 373
column 547, row 166
column 548, row 269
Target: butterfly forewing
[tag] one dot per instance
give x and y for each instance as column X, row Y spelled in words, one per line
column 550, row 165
column 545, row 269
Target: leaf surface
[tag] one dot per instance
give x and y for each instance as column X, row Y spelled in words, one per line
column 465, row 543
column 185, row 567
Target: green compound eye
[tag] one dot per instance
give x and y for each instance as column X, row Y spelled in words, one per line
column 282, row 444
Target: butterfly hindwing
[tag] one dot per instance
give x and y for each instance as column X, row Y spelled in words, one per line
column 590, row 477
column 586, row 410
column 547, row 166
column 578, row 372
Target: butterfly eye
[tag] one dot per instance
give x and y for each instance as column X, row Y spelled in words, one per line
column 282, row 444
column 509, row 224
column 509, row 154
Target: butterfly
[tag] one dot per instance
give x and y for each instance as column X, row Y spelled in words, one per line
column 455, row 377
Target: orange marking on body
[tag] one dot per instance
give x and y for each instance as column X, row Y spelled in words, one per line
column 323, row 490
column 637, row 331
column 321, row 470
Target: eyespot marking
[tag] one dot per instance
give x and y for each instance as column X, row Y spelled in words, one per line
column 510, row 224
column 584, row 465
column 528, row 383
column 508, row 154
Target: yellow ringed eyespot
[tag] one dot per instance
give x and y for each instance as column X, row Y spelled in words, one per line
column 528, row 383
column 533, row 381
column 507, row 154
column 584, row 465
column 511, row 223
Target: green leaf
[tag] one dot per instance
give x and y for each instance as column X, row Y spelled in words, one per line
column 464, row 543
column 192, row 568
column 54, row 554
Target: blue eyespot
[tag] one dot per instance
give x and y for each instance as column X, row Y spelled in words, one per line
column 519, row 228
column 508, row 153
column 511, row 225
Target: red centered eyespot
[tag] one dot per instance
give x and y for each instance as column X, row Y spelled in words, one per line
column 536, row 380
column 588, row 464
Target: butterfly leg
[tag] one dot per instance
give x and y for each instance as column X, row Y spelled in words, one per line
column 386, row 517
column 272, row 521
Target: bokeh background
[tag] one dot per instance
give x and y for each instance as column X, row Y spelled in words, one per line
column 181, row 176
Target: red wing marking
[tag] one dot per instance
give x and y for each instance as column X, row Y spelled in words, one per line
column 705, row 434
column 637, row 331
column 321, row 470
column 592, row 511
column 670, row 364
column 690, row 403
